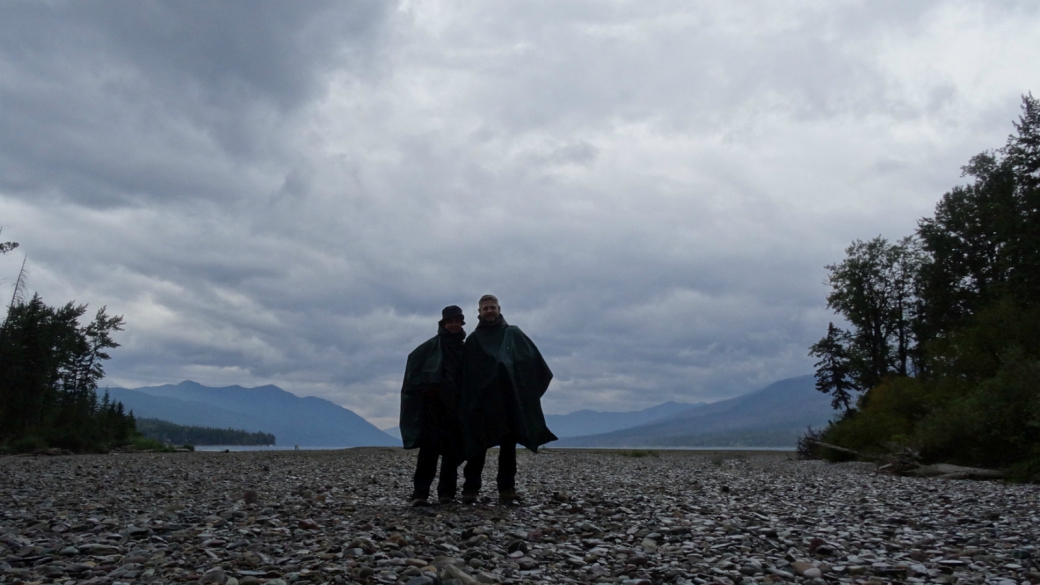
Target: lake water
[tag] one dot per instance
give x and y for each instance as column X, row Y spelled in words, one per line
column 262, row 448
column 302, row 448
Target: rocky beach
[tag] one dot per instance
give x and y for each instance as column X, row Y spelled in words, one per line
column 609, row 517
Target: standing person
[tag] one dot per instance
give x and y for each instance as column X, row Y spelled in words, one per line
column 503, row 383
column 429, row 408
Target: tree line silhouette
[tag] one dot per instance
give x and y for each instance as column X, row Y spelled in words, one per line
column 170, row 433
column 940, row 346
column 50, row 365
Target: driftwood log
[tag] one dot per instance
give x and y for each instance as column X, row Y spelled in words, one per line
column 856, row 454
column 905, row 462
column 947, row 471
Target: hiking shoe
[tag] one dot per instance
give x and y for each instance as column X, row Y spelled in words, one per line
column 468, row 498
column 445, row 500
column 419, row 502
column 509, row 497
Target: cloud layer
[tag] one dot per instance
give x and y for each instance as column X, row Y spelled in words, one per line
column 289, row 193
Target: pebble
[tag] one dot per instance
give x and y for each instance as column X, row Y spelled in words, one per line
column 275, row 518
column 251, row 497
column 213, row 576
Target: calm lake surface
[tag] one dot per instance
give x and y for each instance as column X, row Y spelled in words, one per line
column 303, row 448
column 262, row 448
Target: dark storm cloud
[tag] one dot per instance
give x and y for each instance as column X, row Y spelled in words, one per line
column 289, row 192
column 117, row 102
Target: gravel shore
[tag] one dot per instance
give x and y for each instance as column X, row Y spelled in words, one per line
column 608, row 517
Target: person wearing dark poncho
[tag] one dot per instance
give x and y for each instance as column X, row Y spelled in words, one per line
column 429, row 408
column 504, row 378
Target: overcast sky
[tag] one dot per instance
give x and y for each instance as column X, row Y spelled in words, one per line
column 290, row 192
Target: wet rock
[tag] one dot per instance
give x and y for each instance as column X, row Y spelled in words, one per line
column 78, row 568
column 805, row 569
column 98, row 549
column 214, row 576
column 453, row 572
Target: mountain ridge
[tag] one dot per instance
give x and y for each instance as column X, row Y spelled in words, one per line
column 591, row 422
column 294, row 420
column 773, row 416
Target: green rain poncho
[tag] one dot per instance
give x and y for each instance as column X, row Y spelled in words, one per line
column 504, row 378
column 424, row 379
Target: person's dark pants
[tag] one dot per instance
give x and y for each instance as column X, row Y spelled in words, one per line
column 506, row 479
column 442, row 439
column 426, row 469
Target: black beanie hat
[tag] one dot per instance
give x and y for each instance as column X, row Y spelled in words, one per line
column 452, row 311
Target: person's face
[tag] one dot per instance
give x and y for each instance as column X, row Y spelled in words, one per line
column 454, row 326
column 488, row 310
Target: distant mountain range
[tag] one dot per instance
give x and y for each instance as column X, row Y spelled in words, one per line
column 774, row 416
column 591, row 422
column 308, row 421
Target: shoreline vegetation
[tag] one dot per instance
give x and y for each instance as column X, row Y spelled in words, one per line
column 937, row 356
column 50, row 365
column 171, row 433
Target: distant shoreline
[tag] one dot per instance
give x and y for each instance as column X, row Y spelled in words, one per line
column 780, row 449
column 264, row 448
column 219, row 448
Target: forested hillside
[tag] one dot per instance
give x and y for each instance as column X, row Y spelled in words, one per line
column 174, row 434
column 939, row 348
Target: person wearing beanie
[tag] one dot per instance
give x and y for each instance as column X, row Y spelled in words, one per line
column 429, row 408
column 503, row 382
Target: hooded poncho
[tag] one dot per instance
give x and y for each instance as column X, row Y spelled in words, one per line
column 433, row 372
column 504, row 378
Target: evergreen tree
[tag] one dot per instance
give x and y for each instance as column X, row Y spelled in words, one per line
column 970, row 245
column 1022, row 153
column 49, row 370
column 834, row 368
column 875, row 290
